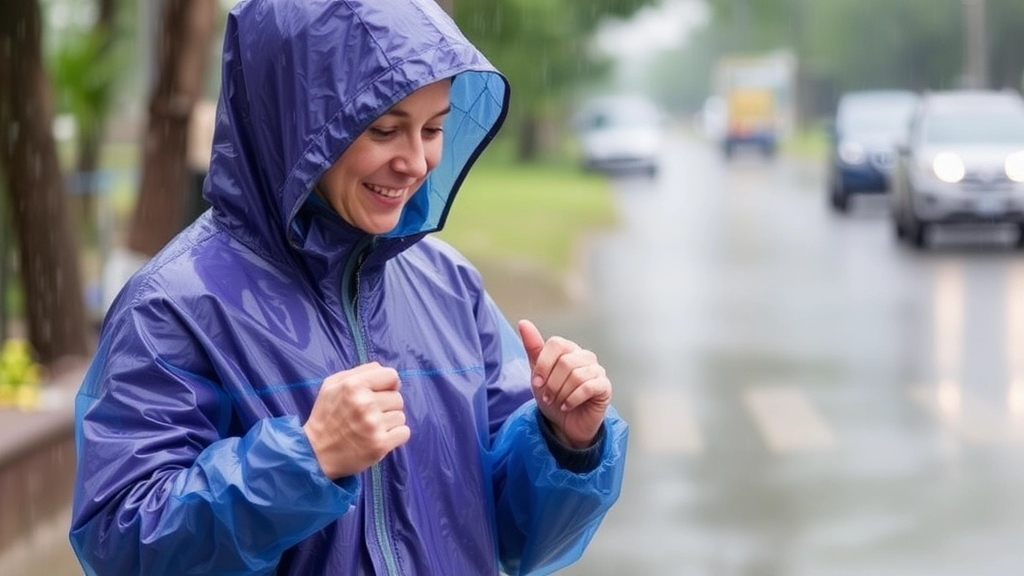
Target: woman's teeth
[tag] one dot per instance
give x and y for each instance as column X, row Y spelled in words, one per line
column 387, row 192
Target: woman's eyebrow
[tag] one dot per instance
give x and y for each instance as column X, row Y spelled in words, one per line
column 403, row 114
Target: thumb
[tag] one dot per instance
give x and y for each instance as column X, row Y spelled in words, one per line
column 532, row 340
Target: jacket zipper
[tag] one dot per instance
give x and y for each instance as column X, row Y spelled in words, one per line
column 350, row 296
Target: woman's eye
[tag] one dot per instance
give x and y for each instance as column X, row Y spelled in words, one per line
column 433, row 131
column 382, row 132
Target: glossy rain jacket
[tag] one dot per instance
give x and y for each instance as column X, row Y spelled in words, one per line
column 192, row 459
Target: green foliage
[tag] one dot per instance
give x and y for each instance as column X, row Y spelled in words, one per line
column 542, row 46
column 19, row 374
column 85, row 71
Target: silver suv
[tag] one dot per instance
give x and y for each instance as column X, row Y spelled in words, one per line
column 962, row 162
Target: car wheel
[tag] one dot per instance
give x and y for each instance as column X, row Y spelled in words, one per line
column 917, row 233
column 901, row 231
column 840, row 201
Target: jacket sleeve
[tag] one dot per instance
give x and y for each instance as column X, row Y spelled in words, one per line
column 160, row 487
column 545, row 514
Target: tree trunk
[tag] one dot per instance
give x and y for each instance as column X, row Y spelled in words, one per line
column 48, row 254
column 184, row 42
column 529, row 138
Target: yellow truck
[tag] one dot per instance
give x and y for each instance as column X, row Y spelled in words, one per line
column 756, row 96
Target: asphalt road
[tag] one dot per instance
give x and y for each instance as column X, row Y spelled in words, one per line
column 806, row 396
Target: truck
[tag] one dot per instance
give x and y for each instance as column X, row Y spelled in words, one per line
column 755, row 95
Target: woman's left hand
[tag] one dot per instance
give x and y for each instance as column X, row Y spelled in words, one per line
column 571, row 387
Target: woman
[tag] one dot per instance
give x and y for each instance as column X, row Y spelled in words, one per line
column 305, row 382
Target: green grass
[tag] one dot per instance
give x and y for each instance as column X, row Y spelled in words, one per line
column 808, row 143
column 536, row 214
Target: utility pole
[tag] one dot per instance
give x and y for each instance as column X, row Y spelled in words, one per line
column 975, row 44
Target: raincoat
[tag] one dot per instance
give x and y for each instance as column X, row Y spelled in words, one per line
column 192, row 457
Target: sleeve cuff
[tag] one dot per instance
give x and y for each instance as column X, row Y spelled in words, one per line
column 577, row 461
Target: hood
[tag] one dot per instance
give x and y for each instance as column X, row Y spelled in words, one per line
column 302, row 79
column 975, row 155
column 872, row 139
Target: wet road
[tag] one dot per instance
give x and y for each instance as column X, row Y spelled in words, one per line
column 806, row 397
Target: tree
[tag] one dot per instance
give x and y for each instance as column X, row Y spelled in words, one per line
column 48, row 255
column 183, row 48
column 542, row 46
column 85, row 75
column 1006, row 19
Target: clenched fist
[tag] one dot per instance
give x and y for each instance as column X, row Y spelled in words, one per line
column 357, row 419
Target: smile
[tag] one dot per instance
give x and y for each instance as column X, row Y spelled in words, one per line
column 386, row 192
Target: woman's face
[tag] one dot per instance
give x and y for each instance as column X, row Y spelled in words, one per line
column 375, row 177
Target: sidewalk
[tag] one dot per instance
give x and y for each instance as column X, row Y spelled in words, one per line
column 37, row 471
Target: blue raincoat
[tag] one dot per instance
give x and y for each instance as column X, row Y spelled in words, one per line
column 192, row 458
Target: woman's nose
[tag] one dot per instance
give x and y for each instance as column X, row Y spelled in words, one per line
column 412, row 160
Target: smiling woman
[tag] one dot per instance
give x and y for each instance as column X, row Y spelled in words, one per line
column 375, row 177
column 306, row 381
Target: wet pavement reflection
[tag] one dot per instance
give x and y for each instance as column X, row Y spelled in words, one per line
column 807, row 397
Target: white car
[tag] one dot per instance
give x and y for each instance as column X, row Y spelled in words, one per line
column 963, row 163
column 621, row 134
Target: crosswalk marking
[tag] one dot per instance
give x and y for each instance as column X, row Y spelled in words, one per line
column 787, row 419
column 967, row 415
column 667, row 424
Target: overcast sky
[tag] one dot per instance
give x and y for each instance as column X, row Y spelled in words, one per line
column 653, row 29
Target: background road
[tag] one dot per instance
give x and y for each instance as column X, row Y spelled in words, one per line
column 806, row 397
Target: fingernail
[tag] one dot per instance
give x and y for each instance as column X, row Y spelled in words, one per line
column 538, row 381
column 545, row 399
column 564, row 407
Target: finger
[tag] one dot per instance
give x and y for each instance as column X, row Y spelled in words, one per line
column 381, row 379
column 578, row 368
column 554, row 349
column 397, row 436
column 532, row 340
column 362, row 368
column 341, row 376
column 558, row 375
column 389, row 400
column 393, row 419
column 556, row 362
column 596, row 389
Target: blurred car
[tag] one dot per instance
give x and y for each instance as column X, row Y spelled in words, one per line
column 621, row 134
column 862, row 142
column 963, row 162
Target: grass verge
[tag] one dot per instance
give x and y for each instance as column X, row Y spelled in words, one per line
column 534, row 215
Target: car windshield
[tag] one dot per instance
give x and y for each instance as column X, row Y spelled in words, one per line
column 624, row 114
column 975, row 127
column 886, row 116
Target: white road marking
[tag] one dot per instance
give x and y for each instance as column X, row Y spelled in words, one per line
column 787, row 419
column 972, row 418
column 666, row 423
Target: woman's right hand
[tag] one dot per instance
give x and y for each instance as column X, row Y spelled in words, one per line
column 357, row 419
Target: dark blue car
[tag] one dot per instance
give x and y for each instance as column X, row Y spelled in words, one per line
column 862, row 143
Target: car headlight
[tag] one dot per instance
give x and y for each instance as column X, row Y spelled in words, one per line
column 1015, row 166
column 948, row 167
column 851, row 153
